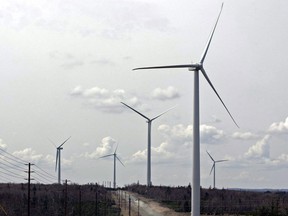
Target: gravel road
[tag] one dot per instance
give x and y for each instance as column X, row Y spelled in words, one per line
column 147, row 207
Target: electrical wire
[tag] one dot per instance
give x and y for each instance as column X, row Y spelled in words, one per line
column 44, row 173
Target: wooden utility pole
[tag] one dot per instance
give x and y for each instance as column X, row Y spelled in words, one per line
column 96, row 202
column 125, row 201
column 80, row 201
column 129, row 206
column 29, row 180
column 65, row 203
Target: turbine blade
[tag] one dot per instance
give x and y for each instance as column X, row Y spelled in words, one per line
column 116, row 149
column 162, row 113
column 52, row 142
column 210, row 156
column 119, row 160
column 168, row 66
column 218, row 161
column 64, row 142
column 106, row 156
column 57, row 155
column 136, row 111
column 213, row 167
column 210, row 37
column 210, row 83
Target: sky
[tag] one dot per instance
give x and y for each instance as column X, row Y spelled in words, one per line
column 67, row 65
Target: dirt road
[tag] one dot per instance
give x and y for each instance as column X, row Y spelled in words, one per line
column 142, row 206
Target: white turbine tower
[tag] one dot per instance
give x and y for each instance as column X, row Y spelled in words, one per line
column 58, row 159
column 114, row 171
column 214, row 167
column 149, row 121
column 196, row 133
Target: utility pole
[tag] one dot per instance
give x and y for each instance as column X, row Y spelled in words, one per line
column 96, row 203
column 125, row 201
column 80, row 201
column 65, row 203
column 29, row 179
column 129, row 206
column 119, row 193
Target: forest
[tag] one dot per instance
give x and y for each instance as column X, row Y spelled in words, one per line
column 56, row 199
column 93, row 199
column 218, row 201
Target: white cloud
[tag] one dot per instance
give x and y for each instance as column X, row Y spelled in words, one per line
column 139, row 156
column 162, row 151
column 244, row 135
column 177, row 134
column 283, row 157
column 106, row 147
column 159, row 154
column 183, row 135
column 165, row 94
column 3, row 145
column 210, row 134
column 260, row 150
column 95, row 92
column 28, row 154
column 78, row 90
column 106, row 100
column 279, row 127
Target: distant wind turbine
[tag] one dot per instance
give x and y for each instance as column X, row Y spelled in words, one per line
column 196, row 132
column 115, row 157
column 149, row 121
column 58, row 159
column 214, row 167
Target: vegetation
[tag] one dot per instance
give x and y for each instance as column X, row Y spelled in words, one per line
column 92, row 199
column 56, row 199
column 218, row 202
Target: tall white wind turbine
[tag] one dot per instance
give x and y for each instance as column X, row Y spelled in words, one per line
column 114, row 171
column 214, row 167
column 196, row 133
column 58, row 159
column 149, row 121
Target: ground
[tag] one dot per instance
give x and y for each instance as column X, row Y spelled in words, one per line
column 147, row 207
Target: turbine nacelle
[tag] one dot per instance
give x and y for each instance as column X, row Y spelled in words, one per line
column 195, row 67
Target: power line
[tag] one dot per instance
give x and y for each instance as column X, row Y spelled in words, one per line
column 14, row 163
column 16, row 159
column 14, row 166
column 44, row 173
column 12, row 175
column 41, row 177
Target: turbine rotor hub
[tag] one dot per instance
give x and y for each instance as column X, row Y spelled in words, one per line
column 196, row 67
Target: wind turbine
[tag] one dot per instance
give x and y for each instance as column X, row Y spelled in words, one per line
column 214, row 167
column 115, row 157
column 149, row 121
column 58, row 159
column 196, row 133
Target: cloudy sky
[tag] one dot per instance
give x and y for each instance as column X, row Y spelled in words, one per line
column 67, row 65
